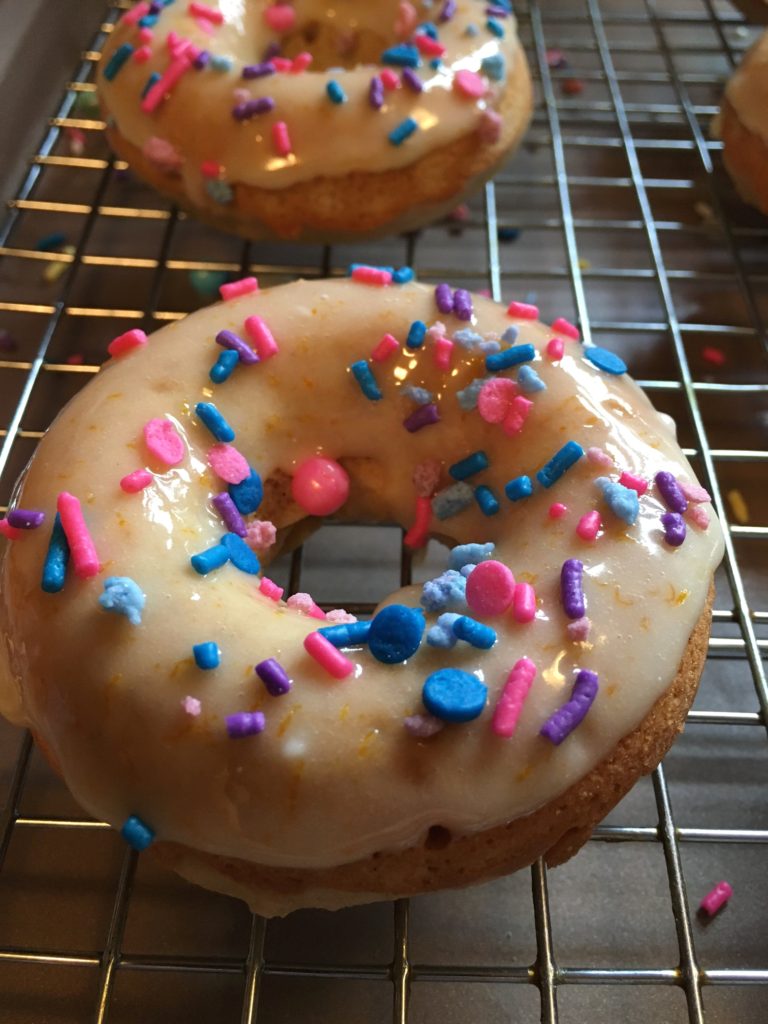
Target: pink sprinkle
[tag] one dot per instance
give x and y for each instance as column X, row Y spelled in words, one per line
column 389, row 79
column 281, row 140
column 589, row 526
column 261, row 336
column 507, row 711
column 146, row 35
column 227, row 462
column 698, row 515
column 694, row 492
column 713, row 355
column 211, row 169
column 524, row 604
column 489, row 128
column 303, row 603
column 165, row 83
column 599, row 458
column 635, row 483
column 142, row 54
column 437, row 330
column 300, row 63
column 555, row 348
column 578, row 629
column 136, row 481
column 270, row 589
column 494, row 400
column 407, row 17
column 442, row 353
column 132, row 16
column 339, row 616
column 461, row 213
column 372, row 275
column 523, row 310
column 517, row 415
column 192, row 706
column 162, row 153
column 432, row 48
column 320, row 485
column 206, row 13
column 234, row 289
column 423, row 726
column 76, row 359
column 10, row 532
column 385, row 348
column 717, row 898
column 172, row 40
column 557, row 510
column 127, row 342
column 426, row 476
column 563, row 326
column 280, row 18
column 326, row 655
column 490, row 588
column 260, row 534
column 81, row 546
column 468, row 83
column 163, row 441
column 418, row 535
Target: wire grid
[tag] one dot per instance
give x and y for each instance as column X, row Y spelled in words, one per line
column 638, row 131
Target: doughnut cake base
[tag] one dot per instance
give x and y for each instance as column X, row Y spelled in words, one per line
column 555, row 831
column 745, row 155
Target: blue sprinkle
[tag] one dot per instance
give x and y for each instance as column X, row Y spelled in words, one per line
column 402, row 56
column 495, row 28
column 441, row 634
column 403, row 275
column 215, row 422
column 240, row 554
column 520, row 487
column 219, row 191
column 137, row 834
column 511, row 334
column 436, row 63
column 363, row 374
column 124, row 596
column 605, row 360
column 529, row 380
column 49, row 242
column 487, row 500
column 154, row 77
column 489, row 346
column 494, row 66
column 621, row 500
column 347, row 634
column 210, row 559
column 395, row 633
column 221, row 62
column 419, row 395
column 148, row 21
column 416, row 334
column 561, row 461
column 428, row 28
column 471, row 30
column 224, row 365
column 473, row 632
column 207, row 282
column 248, row 494
column 454, row 695
column 507, row 234
column 467, row 338
column 403, row 131
column 446, row 591
column 510, row 357
column 452, row 500
column 469, row 554
column 116, row 61
column 474, row 463
column 467, row 397
column 56, row 559
column 335, row 92
column 207, row 655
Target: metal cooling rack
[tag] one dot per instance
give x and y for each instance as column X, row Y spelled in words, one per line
column 628, row 223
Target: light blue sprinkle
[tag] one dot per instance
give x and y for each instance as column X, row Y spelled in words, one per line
column 494, row 66
column 219, row 191
column 489, row 346
column 471, row 30
column 441, row 634
column 403, row 131
column 469, row 554
column 445, row 591
column 468, row 396
column 335, row 92
column 468, row 339
column 419, row 395
column 403, row 275
column 124, row 596
column 529, row 380
column 220, row 62
column 621, row 500
column 511, row 335
column 453, row 500
column 137, row 833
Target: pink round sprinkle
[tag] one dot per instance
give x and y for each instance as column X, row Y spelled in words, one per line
column 280, row 18
column 698, row 515
column 589, row 526
column 227, row 462
column 261, row 336
column 470, row 84
column 163, row 442
column 517, row 415
column 326, row 655
column 490, row 588
column 305, row 604
column 635, row 483
column 555, row 348
column 442, row 353
column 234, row 289
column 136, row 481
column 599, row 458
column 320, row 486
column 270, row 589
column 385, row 348
column 563, row 326
column 557, row 510
column 127, row 342
column 260, row 534
column 191, row 706
column 495, row 399
column 389, row 79
column 523, row 310
column 524, row 603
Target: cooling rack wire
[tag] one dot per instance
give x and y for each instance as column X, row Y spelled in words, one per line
column 626, row 222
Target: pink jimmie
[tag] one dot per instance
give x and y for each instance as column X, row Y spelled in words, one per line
column 385, row 348
column 136, row 481
column 589, row 525
column 127, row 342
column 507, row 711
column 555, row 348
column 524, row 603
column 716, row 899
column 418, row 535
column 635, row 483
column 234, row 289
column 81, row 546
column 261, row 336
column 442, row 351
column 326, row 655
column 270, row 589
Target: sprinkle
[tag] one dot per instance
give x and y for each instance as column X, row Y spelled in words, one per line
column 228, row 511
column 445, row 591
column 224, row 366
column 207, row 282
column 124, row 596
column 219, row 191
column 578, row 630
column 389, row 79
column 555, row 348
column 163, row 442
column 142, row 54
column 363, row 374
column 444, row 298
column 622, row 501
column 227, row 463
column 244, row 723
column 572, row 87
column 81, row 546
column 260, row 534
column 462, row 304
column 250, row 108
column 563, row 326
column 713, row 355
column 372, row 275
column 529, row 380
column 125, row 343
column 428, row 45
column 557, row 510
column 240, row 554
column 207, row 655
column 562, row 723
column 275, row 678
column 512, row 356
column 335, row 92
column 395, row 633
column 523, row 310
column 320, row 485
column 137, row 834
column 25, row 518
column 442, row 350
column 560, row 462
column 520, row 487
column 56, row 559
column 571, row 592
column 416, row 334
column 418, row 535
column 411, row 80
column 301, row 62
column 326, row 655
column 280, row 17
column 210, row 559
column 475, row 633
column 132, row 16
column 517, row 415
column 469, row 84
column 116, row 61
column 347, row 634
column 248, row 494
column 270, row 589
column 422, row 417
column 495, row 398
column 636, row 483
column 214, row 421
column 402, row 55
column 599, row 458
column 524, row 603
column 589, row 525
column 281, row 140
column 474, row 463
column 716, row 898
column 419, row 395
column 507, row 711
column 605, row 360
column 467, row 338
column 739, row 507
column 403, row 275
column 670, row 491
column 192, row 706
column 489, row 127
column 453, row 695
column 495, row 28
column 261, row 70
column 339, row 615
column 441, row 634
column 376, row 93
column 699, row 516
column 469, row 554
column 261, row 336
column 164, row 85
column 490, row 588
column 694, row 492
column 674, row 528
column 467, row 397
column 234, row 289
column 423, row 726
column 487, row 500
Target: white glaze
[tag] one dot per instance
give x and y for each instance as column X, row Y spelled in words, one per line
column 335, row 776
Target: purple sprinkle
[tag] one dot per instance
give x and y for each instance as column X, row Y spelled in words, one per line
column 448, row 11
column 376, row 93
column 227, row 509
column 201, row 60
column 444, row 298
column 670, row 491
column 423, row 726
column 7, row 341
column 571, row 591
column 244, row 723
column 421, row 417
column 674, row 528
column 273, row 50
column 259, row 70
column 496, row 12
column 274, row 677
column 25, row 518
column 228, row 339
column 155, row 7
column 411, row 79
column 562, row 723
column 243, row 111
column 462, row 304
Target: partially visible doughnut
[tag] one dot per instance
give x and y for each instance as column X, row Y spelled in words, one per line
column 743, row 125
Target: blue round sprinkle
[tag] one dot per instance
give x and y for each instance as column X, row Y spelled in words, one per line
column 454, row 695
column 247, row 495
column 137, row 833
column 240, row 554
column 605, row 360
column 395, row 633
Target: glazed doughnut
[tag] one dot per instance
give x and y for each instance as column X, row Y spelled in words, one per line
column 300, row 760
column 243, row 115
column 743, row 125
